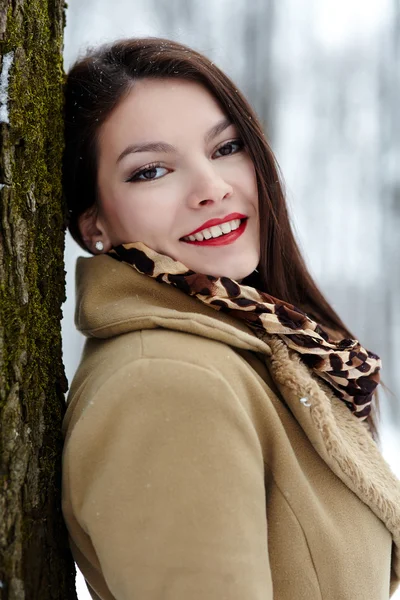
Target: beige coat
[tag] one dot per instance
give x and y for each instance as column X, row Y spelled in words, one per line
column 201, row 463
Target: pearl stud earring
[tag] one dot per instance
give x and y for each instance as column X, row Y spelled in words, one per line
column 99, row 245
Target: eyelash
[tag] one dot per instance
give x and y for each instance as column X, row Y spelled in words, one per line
column 134, row 177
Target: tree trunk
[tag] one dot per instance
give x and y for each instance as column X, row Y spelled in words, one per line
column 35, row 561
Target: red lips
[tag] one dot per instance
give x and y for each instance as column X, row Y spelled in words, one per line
column 213, row 222
column 222, row 240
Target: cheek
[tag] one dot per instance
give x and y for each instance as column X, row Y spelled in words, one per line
column 146, row 219
column 246, row 183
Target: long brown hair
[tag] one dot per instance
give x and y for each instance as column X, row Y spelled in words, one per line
column 100, row 79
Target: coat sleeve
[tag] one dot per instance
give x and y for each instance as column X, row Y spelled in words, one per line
column 167, row 478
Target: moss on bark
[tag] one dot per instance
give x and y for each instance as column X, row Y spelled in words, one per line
column 35, row 561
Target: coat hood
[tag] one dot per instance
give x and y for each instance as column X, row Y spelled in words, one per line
column 113, row 299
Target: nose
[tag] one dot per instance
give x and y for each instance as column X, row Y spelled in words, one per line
column 207, row 186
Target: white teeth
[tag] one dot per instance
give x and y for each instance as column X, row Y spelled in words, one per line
column 226, row 228
column 214, row 232
column 235, row 224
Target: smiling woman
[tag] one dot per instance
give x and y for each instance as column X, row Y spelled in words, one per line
column 219, row 433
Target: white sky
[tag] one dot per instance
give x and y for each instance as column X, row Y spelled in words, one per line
column 336, row 22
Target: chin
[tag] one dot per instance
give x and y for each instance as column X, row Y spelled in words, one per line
column 236, row 273
column 236, row 267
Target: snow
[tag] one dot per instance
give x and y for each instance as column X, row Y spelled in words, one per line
column 81, row 588
column 7, row 62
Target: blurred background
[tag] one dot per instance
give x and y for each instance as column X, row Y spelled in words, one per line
column 324, row 78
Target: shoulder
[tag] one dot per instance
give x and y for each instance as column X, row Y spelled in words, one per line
column 164, row 378
column 168, row 349
column 162, row 362
column 105, row 357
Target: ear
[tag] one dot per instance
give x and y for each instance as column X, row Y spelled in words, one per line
column 93, row 230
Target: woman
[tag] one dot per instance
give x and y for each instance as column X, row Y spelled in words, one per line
column 219, row 434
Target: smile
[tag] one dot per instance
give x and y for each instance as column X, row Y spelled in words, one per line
column 218, row 235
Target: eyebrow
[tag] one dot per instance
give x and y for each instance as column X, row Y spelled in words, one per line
column 164, row 147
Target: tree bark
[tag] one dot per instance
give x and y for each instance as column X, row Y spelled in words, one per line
column 35, row 561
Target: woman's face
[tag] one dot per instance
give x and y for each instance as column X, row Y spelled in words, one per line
column 169, row 161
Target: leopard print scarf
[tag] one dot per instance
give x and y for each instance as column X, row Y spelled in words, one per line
column 349, row 369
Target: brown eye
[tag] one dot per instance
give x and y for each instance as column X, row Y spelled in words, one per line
column 143, row 174
column 151, row 171
column 226, row 149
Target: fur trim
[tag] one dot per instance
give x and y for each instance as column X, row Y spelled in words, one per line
column 340, row 439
